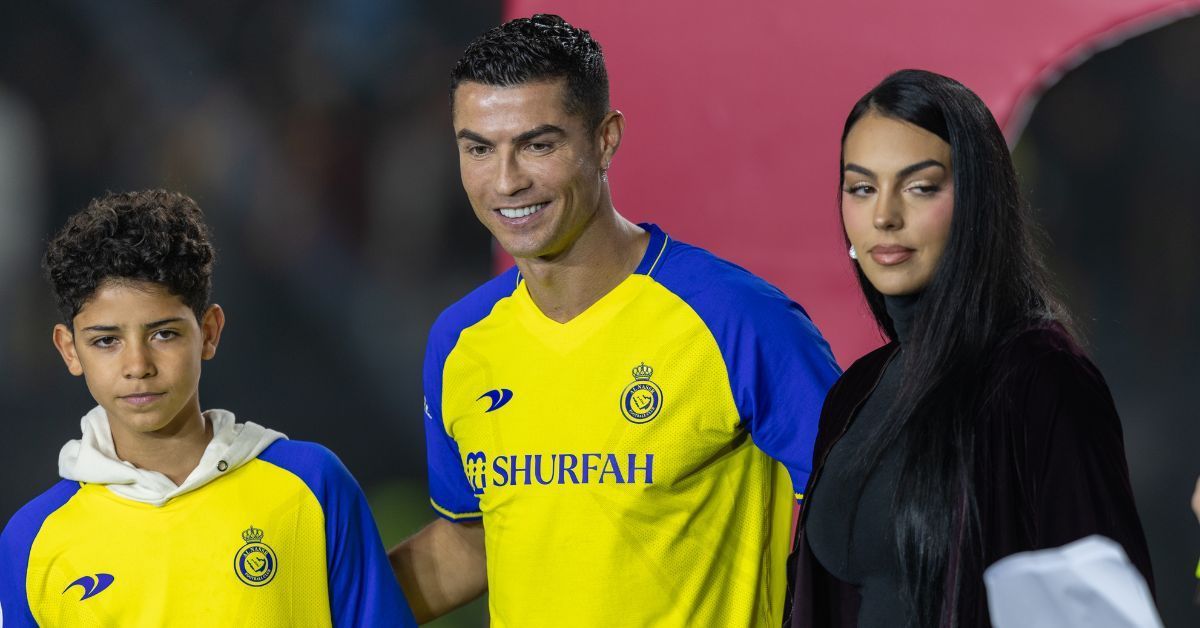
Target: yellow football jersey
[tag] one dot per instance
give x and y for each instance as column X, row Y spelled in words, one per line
column 284, row 540
column 631, row 466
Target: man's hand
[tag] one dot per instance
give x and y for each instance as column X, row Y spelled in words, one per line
column 441, row 567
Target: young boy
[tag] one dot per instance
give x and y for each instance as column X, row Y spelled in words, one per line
column 167, row 515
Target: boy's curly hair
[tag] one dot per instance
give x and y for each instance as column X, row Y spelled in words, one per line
column 151, row 235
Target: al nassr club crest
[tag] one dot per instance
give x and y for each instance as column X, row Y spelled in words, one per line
column 255, row 563
column 642, row 399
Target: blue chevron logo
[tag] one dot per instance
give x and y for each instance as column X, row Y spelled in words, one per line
column 92, row 586
column 498, row 398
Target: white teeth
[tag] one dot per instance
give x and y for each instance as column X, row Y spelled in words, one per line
column 521, row 212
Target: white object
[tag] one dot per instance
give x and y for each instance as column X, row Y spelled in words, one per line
column 1087, row 584
column 93, row 458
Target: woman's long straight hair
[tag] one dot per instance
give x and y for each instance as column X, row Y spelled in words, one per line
column 988, row 285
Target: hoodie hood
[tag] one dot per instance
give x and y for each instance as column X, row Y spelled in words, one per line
column 93, row 458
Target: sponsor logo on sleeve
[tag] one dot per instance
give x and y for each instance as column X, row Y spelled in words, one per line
column 496, row 398
column 91, row 585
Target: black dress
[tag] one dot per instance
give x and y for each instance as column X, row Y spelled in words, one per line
column 1049, row 469
column 854, row 539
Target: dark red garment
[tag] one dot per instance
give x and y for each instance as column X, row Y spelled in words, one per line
column 1049, row 469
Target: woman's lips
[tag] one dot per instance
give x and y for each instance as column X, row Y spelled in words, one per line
column 890, row 254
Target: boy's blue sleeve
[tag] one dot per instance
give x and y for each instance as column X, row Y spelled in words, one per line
column 363, row 590
column 14, row 547
column 15, row 543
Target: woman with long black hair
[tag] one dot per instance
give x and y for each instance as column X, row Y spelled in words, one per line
column 981, row 429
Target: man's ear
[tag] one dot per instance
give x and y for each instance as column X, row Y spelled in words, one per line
column 608, row 137
column 210, row 330
column 64, row 341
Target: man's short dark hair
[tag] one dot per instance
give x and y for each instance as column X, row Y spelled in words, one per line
column 152, row 235
column 539, row 48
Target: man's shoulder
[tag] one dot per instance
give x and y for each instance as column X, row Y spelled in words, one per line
column 748, row 317
column 27, row 522
column 683, row 261
column 721, row 288
column 474, row 307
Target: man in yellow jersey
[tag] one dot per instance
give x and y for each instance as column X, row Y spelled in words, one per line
column 610, row 424
column 166, row 515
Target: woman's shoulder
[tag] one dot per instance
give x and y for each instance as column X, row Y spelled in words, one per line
column 873, row 362
column 1041, row 350
column 864, row 371
column 1042, row 370
column 857, row 381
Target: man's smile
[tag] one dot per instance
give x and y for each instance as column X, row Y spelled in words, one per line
column 521, row 212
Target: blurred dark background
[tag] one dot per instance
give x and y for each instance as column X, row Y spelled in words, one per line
column 1106, row 161
column 316, row 137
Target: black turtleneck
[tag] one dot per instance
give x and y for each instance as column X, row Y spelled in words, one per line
column 860, row 548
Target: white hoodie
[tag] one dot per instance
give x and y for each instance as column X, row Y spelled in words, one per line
column 93, row 458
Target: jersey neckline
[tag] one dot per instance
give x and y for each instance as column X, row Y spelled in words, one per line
column 605, row 307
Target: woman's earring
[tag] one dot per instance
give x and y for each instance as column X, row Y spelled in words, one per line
column 853, row 253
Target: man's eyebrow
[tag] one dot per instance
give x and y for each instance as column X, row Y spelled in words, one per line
column 468, row 134
column 536, row 131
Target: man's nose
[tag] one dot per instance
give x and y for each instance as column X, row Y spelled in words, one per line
column 511, row 178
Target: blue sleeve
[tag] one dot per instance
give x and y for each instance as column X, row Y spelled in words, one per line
column 363, row 591
column 450, row 492
column 779, row 365
column 780, row 380
column 15, row 543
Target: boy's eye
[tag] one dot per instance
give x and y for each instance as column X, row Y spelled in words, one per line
column 165, row 334
column 104, row 342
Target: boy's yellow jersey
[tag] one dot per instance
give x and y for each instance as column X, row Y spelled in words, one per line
column 284, row 540
column 631, row 466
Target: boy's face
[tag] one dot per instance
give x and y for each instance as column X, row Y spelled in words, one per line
column 139, row 348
